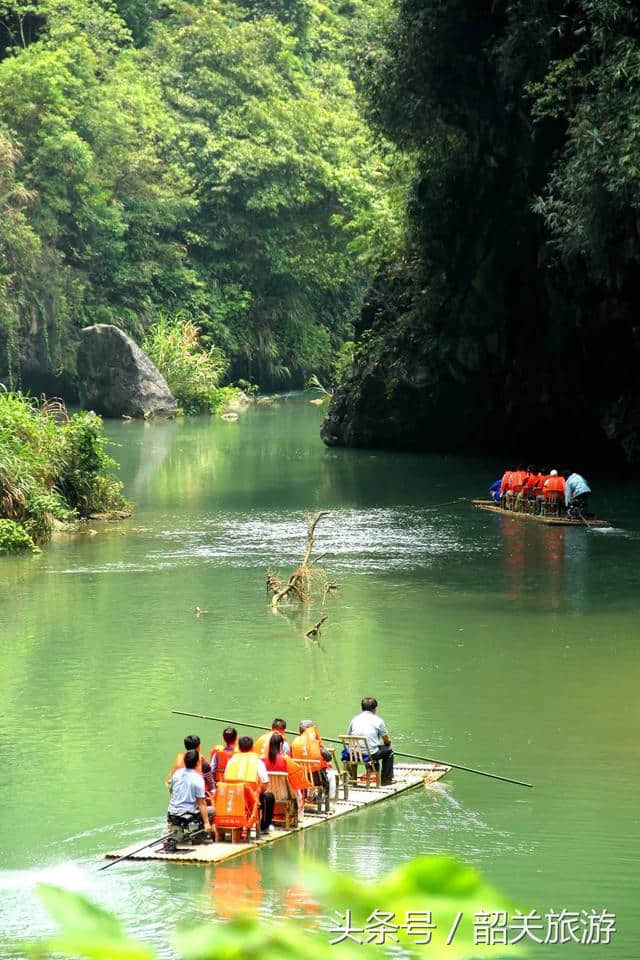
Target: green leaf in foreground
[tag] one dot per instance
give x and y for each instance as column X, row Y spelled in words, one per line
column 437, row 884
column 86, row 930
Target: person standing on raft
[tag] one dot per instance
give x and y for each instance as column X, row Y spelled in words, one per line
column 576, row 495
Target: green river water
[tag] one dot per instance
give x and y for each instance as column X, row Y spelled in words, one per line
column 502, row 645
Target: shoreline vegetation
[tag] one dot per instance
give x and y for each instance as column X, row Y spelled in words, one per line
column 54, row 472
column 193, row 372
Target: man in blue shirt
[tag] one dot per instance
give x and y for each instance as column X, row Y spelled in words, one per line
column 187, row 802
column 576, row 495
column 372, row 727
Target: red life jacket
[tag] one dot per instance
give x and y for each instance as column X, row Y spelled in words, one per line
column 223, row 754
column 553, row 487
column 518, row 480
column 506, row 482
column 540, row 481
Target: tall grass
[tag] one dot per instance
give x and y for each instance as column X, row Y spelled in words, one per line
column 192, row 372
column 52, row 467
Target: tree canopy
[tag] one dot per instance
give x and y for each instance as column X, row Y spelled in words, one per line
column 204, row 160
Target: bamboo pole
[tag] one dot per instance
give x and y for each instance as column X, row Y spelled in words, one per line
column 407, row 756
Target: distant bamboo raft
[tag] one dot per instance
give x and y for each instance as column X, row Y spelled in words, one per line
column 491, row 507
column 407, row 777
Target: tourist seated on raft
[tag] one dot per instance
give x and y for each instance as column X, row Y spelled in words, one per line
column 517, row 481
column 277, row 761
column 372, row 728
column 308, row 746
column 188, row 809
column 527, row 501
column 209, row 781
column 191, row 742
column 576, row 496
column 246, row 767
column 505, row 485
column 509, row 485
column 222, row 752
column 533, row 490
column 262, row 743
column 553, row 491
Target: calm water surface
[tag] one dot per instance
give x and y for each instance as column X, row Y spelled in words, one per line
column 497, row 644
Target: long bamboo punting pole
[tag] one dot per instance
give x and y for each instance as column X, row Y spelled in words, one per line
column 408, row 756
column 125, row 856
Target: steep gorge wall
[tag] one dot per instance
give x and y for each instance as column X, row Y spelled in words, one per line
column 510, row 322
column 416, row 388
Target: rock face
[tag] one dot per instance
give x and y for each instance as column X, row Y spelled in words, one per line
column 116, row 378
column 420, row 385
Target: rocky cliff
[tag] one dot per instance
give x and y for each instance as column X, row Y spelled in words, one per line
column 504, row 387
column 508, row 319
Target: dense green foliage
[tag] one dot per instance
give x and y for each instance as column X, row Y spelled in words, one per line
column 51, row 468
column 193, row 374
column 440, row 885
column 199, row 160
column 514, row 295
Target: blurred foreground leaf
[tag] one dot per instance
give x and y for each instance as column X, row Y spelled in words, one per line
column 452, row 892
column 86, row 930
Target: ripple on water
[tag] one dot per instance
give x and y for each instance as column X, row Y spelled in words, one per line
column 357, row 540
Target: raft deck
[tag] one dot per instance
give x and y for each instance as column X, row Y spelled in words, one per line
column 407, row 778
column 491, row 507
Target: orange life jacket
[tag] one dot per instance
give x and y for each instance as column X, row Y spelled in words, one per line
column 236, row 805
column 261, row 745
column 518, row 480
column 506, row 482
column 297, row 778
column 223, row 754
column 307, row 747
column 243, row 767
column 553, row 486
column 179, row 762
column 539, row 484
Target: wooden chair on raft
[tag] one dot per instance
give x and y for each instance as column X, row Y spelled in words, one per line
column 237, row 811
column 285, row 813
column 342, row 776
column 316, row 793
column 553, row 504
column 358, row 750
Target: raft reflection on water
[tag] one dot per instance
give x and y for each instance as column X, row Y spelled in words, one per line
column 550, row 562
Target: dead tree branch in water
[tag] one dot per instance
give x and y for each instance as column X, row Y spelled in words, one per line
column 328, row 588
column 315, row 629
column 299, row 583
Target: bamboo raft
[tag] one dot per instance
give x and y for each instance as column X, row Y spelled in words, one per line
column 491, row 507
column 407, row 777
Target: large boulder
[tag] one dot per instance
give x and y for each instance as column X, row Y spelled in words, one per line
column 116, row 378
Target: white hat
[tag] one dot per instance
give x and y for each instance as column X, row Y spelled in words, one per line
column 554, row 473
